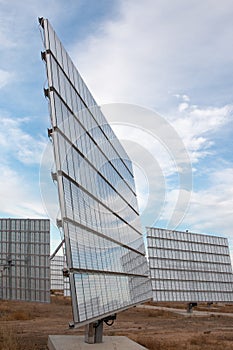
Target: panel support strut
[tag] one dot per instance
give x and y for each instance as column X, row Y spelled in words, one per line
column 94, row 330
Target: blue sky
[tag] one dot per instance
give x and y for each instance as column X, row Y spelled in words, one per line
column 173, row 59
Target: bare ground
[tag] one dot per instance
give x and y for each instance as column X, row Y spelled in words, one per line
column 26, row 326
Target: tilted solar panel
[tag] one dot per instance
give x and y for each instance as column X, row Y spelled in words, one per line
column 99, row 212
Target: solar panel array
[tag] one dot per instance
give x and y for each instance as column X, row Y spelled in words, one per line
column 56, row 275
column 24, row 259
column 104, row 245
column 189, row 267
column 59, row 282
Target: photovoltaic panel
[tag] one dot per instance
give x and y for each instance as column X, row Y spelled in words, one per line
column 99, row 212
column 56, row 275
column 189, row 267
column 24, row 259
column 59, row 282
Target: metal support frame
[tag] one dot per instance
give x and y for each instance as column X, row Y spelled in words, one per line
column 94, row 330
column 56, row 250
column 190, row 307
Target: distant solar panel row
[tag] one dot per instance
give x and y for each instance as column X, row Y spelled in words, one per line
column 189, row 267
column 59, row 282
column 97, row 195
column 24, row 259
column 56, row 275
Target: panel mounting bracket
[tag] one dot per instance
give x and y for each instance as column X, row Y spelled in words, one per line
column 43, row 55
column 54, row 176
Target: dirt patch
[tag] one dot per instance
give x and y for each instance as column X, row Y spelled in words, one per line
column 25, row 326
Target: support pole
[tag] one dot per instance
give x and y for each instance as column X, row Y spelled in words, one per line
column 99, row 332
column 190, row 307
column 94, row 332
column 90, row 333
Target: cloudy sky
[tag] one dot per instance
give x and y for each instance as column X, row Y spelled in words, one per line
column 162, row 70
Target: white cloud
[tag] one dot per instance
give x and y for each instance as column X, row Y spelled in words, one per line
column 186, row 98
column 197, row 127
column 16, row 195
column 211, row 208
column 175, row 207
column 183, row 106
column 5, row 78
column 17, row 143
column 150, row 50
column 210, row 119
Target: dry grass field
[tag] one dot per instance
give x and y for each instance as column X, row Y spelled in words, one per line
column 26, row 326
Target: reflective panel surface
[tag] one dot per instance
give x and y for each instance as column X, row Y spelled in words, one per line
column 190, row 267
column 24, row 259
column 104, row 245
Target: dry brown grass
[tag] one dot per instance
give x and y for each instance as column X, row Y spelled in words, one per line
column 160, row 314
column 26, row 326
column 220, row 307
column 163, row 330
column 8, row 339
column 9, row 313
column 193, row 343
column 175, row 305
column 60, row 300
column 149, row 342
column 209, row 342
